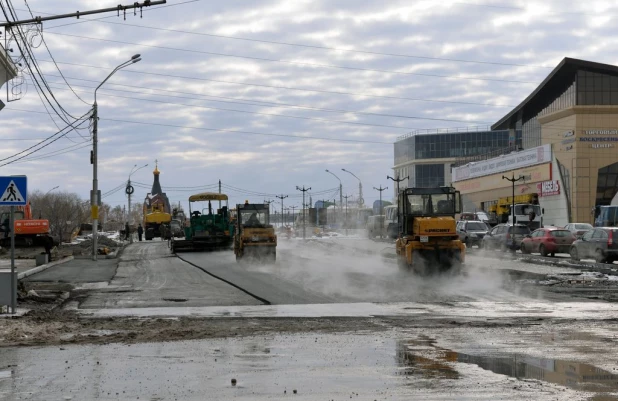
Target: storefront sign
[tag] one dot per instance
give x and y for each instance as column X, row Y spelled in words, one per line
column 512, row 161
column 548, row 188
column 601, row 145
column 599, row 139
column 532, row 176
column 601, row 132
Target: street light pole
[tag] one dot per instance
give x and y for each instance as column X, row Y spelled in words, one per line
column 129, row 190
column 346, row 214
column 381, row 209
column 397, row 180
column 282, row 197
column 340, row 193
column 513, row 181
column 303, row 190
column 360, row 188
column 94, row 196
column 293, row 215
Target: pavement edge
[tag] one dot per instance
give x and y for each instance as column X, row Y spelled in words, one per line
column 41, row 268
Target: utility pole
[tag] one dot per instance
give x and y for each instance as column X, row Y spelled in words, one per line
column 282, row 197
column 346, row 214
column 381, row 209
column 77, row 14
column 293, row 215
column 219, row 192
column 397, row 180
column 303, row 190
column 513, row 181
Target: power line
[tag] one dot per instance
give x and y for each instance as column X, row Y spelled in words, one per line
column 339, row 49
column 280, row 87
column 299, row 117
column 295, row 62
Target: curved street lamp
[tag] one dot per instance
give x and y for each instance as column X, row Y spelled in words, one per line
column 56, row 187
column 94, row 199
column 129, row 190
column 360, row 188
column 340, row 190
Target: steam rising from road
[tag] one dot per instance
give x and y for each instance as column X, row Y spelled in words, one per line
column 357, row 270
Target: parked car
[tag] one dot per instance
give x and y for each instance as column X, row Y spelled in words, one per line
column 505, row 236
column 548, row 241
column 578, row 229
column 471, row 232
column 600, row 244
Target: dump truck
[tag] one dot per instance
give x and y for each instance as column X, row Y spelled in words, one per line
column 254, row 236
column 29, row 232
column 428, row 242
column 208, row 229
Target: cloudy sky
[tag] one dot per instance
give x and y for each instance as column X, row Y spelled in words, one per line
column 267, row 94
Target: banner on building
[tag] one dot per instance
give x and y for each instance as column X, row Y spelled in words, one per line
column 512, row 161
column 548, row 188
column 532, row 176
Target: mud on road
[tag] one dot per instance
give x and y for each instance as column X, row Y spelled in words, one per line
column 58, row 327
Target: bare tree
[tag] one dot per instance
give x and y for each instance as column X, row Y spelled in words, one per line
column 64, row 210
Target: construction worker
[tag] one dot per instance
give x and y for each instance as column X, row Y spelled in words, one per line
column 140, row 231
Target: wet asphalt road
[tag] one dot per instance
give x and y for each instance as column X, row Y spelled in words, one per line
column 148, row 276
column 475, row 336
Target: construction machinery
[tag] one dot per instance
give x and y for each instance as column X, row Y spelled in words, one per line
column 254, row 236
column 207, row 229
column 29, row 232
column 527, row 211
column 428, row 242
column 155, row 220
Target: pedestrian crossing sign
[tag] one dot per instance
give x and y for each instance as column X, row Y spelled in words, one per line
column 14, row 190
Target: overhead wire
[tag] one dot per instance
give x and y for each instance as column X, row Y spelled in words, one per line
column 334, row 66
column 296, row 117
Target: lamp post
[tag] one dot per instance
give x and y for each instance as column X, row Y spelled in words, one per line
column 129, row 190
column 303, row 190
column 360, row 188
column 397, row 180
column 56, row 187
column 346, row 214
column 381, row 209
column 282, row 197
column 513, row 181
column 293, row 216
column 94, row 196
column 340, row 192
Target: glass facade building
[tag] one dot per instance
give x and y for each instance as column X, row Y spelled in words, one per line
column 449, row 145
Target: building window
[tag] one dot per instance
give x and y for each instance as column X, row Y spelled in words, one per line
column 429, row 175
column 607, row 184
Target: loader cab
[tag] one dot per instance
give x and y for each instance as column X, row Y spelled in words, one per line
column 428, row 202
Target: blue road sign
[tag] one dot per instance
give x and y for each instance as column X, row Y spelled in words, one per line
column 13, row 190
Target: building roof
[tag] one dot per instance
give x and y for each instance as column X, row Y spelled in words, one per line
column 556, row 79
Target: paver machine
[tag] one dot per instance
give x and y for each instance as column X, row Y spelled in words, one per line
column 208, row 229
column 254, row 236
column 428, row 242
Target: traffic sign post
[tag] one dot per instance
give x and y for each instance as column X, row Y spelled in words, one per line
column 14, row 193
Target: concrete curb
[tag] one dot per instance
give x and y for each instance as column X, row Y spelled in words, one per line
column 39, row 269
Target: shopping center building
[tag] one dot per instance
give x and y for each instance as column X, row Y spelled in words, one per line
column 566, row 135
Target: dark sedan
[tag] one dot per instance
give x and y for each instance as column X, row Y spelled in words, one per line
column 599, row 244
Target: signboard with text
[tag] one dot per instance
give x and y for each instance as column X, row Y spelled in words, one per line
column 548, row 188
column 532, row 175
column 512, row 161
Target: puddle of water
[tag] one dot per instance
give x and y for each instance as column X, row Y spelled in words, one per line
column 421, row 357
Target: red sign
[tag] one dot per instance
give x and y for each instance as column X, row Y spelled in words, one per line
column 548, row 188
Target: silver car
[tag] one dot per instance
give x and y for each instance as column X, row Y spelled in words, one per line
column 471, row 232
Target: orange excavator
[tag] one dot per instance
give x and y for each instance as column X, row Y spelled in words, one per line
column 29, row 232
